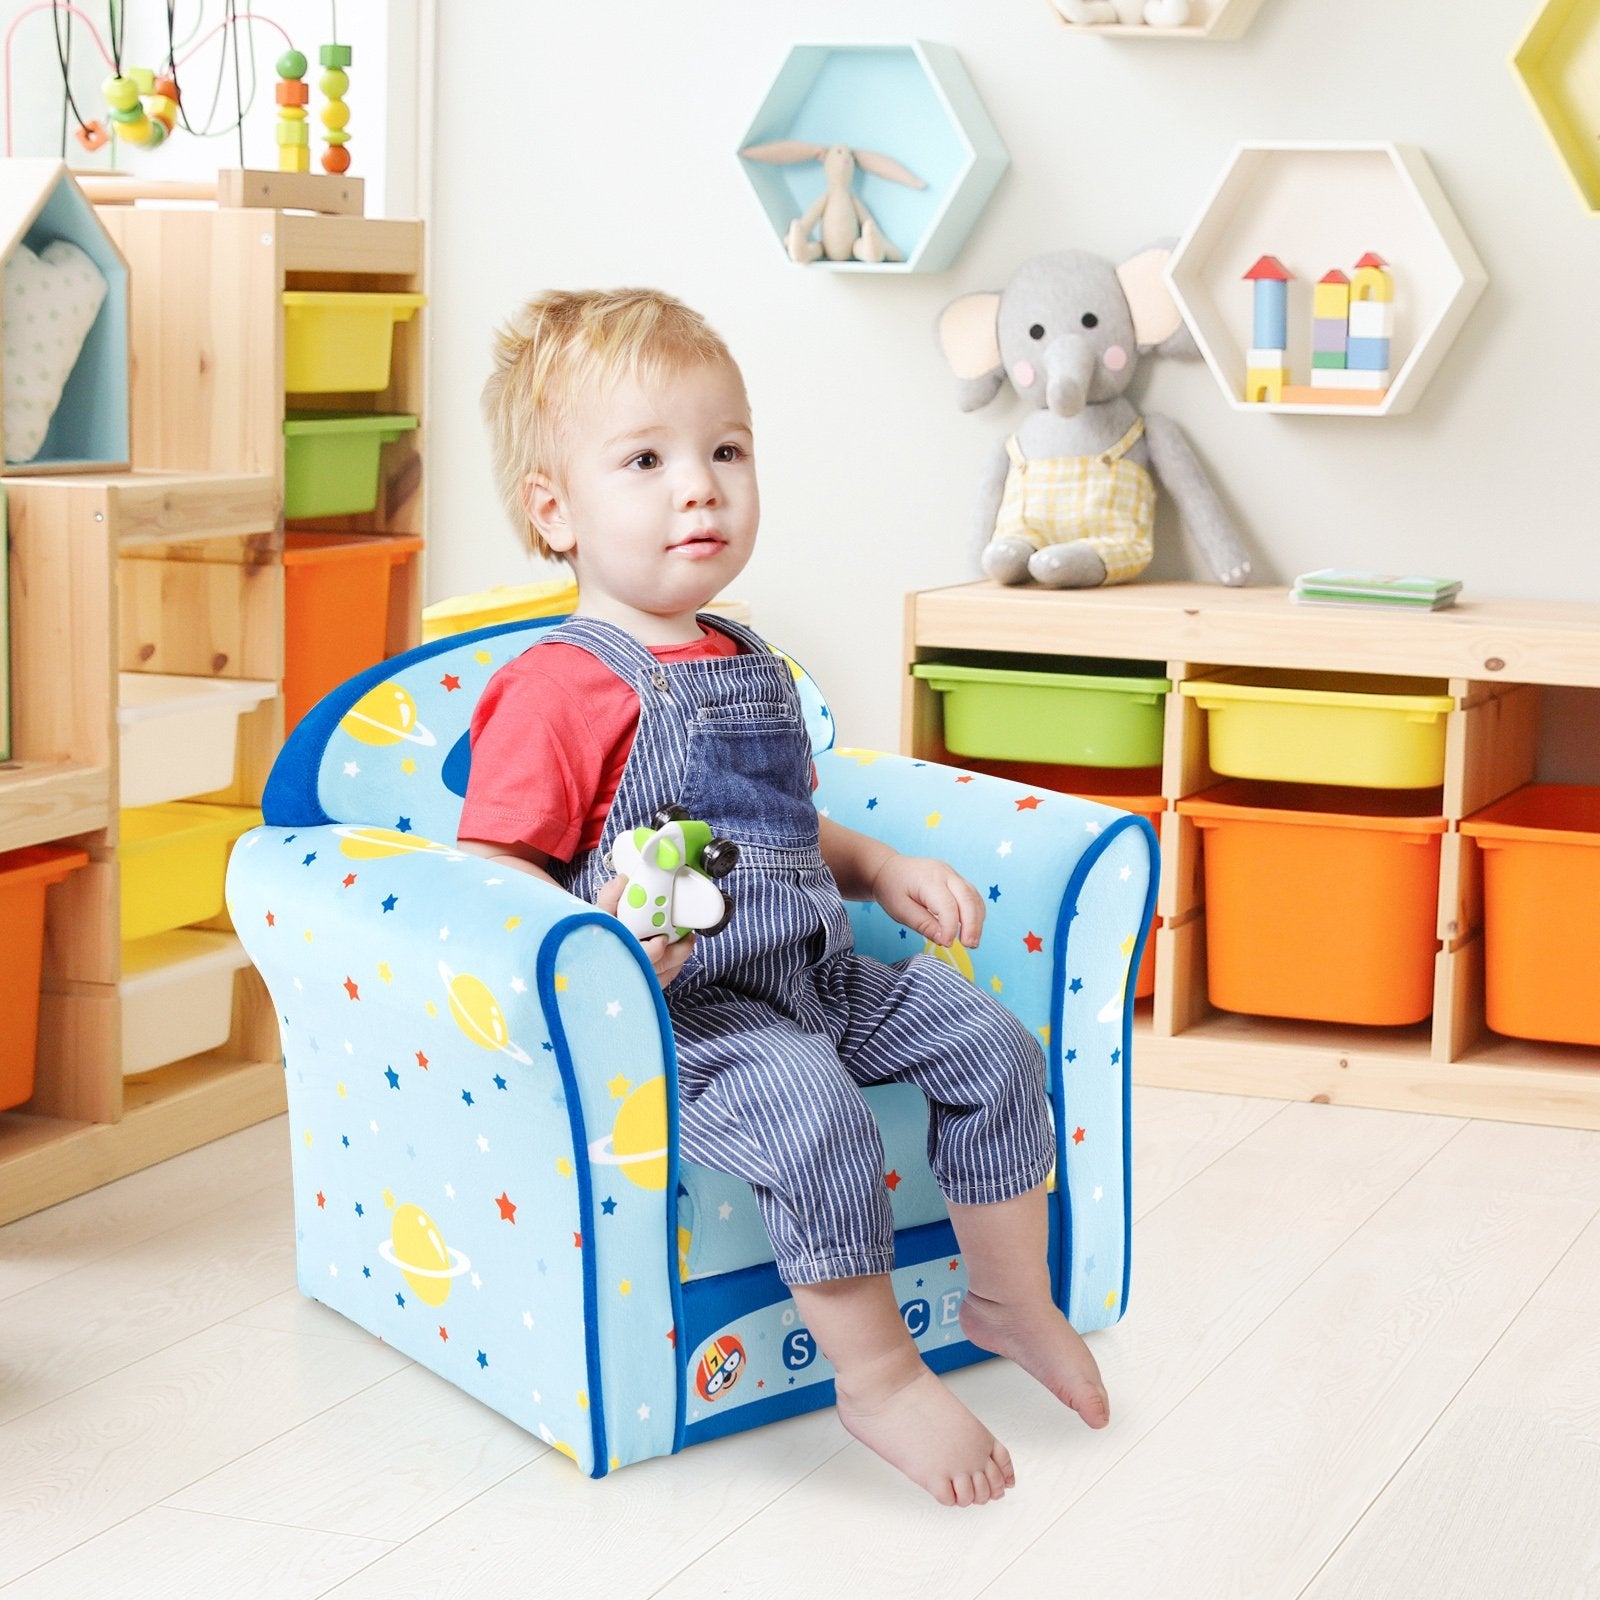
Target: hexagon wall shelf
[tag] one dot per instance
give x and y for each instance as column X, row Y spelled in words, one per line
column 913, row 102
column 1318, row 207
column 1209, row 19
column 1559, row 64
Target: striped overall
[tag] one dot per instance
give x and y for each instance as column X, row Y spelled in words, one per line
column 778, row 1023
column 1107, row 500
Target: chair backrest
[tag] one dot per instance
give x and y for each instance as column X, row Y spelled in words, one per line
column 389, row 748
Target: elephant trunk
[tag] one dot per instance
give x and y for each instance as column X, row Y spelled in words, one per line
column 1069, row 370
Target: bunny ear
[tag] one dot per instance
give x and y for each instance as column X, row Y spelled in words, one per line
column 783, row 152
column 881, row 166
column 1155, row 313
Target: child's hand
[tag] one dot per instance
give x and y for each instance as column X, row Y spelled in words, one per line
column 667, row 959
column 932, row 898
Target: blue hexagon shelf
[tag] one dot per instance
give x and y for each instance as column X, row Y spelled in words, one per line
column 912, row 102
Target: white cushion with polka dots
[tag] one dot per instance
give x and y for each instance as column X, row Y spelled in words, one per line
column 50, row 303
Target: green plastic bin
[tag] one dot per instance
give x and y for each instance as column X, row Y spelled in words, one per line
column 331, row 458
column 1084, row 713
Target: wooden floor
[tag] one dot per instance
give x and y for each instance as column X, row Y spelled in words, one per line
column 1361, row 1360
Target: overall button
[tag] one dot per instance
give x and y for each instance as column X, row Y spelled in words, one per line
column 659, row 681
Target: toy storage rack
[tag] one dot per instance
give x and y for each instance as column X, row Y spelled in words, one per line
column 1497, row 658
column 177, row 567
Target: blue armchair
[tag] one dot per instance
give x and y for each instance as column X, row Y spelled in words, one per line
column 482, row 1091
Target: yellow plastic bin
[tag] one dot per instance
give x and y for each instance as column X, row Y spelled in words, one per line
column 1541, row 912
column 507, row 602
column 1088, row 713
column 1320, row 903
column 173, row 860
column 340, row 341
column 1357, row 730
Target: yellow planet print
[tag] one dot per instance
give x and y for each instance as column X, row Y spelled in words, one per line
column 372, row 844
column 477, row 1014
column 953, row 955
column 424, row 1260
column 638, row 1139
column 385, row 715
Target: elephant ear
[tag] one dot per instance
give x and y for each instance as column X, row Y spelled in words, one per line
column 1157, row 322
column 969, row 335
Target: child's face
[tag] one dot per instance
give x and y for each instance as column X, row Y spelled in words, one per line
column 657, row 506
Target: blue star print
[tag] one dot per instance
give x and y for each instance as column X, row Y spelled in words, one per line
column 608, row 1205
column 392, row 1076
column 309, row 859
column 483, row 1360
column 404, row 825
column 467, row 1096
column 390, row 903
column 1076, row 985
column 499, row 1082
column 994, row 892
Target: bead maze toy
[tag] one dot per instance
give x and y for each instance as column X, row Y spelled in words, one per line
column 671, row 865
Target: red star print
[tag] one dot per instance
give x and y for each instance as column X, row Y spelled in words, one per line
column 892, row 1179
column 272, row 921
column 1077, row 1137
column 350, row 988
column 508, row 1212
column 672, row 1337
column 954, row 1265
column 761, row 1383
column 1034, row 943
column 443, row 1335
column 451, row 682
column 1029, row 803
column 422, row 1061
column 349, row 878
column 577, row 1241
column 966, row 777
column 322, row 1200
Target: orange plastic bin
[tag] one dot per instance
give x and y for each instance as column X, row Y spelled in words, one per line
column 336, row 610
column 1109, row 786
column 1321, row 902
column 1541, row 912
column 25, row 875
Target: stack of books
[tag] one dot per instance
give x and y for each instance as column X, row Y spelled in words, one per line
column 1331, row 587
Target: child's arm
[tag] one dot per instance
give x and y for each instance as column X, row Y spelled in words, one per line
column 667, row 959
column 920, row 892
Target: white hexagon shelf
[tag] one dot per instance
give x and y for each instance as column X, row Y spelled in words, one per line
column 1208, row 19
column 912, row 102
column 1559, row 64
column 1320, row 210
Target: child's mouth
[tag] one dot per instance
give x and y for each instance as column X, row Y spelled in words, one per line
column 699, row 545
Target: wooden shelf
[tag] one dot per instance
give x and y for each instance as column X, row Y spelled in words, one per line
column 45, row 800
column 1493, row 655
column 1317, row 207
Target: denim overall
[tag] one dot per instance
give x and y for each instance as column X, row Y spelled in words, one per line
column 777, row 1022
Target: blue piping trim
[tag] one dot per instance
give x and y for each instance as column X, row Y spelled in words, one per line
column 291, row 798
column 1064, row 920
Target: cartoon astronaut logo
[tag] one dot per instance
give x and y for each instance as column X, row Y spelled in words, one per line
column 720, row 1367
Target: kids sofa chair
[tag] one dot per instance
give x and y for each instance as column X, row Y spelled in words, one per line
column 482, row 1087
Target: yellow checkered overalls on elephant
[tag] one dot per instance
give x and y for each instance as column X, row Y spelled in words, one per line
column 1107, row 500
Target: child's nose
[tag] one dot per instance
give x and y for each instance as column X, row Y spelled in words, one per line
column 697, row 490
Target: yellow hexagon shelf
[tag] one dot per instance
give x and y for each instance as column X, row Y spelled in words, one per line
column 1325, row 279
column 1204, row 19
column 1558, row 62
column 912, row 103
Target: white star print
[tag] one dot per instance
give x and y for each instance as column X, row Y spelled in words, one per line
column 1125, row 874
column 527, row 1319
column 449, row 1191
column 518, row 986
column 298, row 984
column 489, row 883
column 823, row 811
column 644, row 1413
column 477, row 1282
column 1091, row 827
column 724, row 1211
column 614, row 1009
column 351, row 770
column 1099, row 1193
column 444, row 933
column 1005, row 848
column 536, row 1394
column 333, row 1269
column 349, row 1049
column 483, row 1144
column 373, row 1126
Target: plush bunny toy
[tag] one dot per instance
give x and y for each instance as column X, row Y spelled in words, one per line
column 1069, row 498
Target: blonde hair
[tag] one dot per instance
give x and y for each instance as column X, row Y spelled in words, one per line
column 558, row 345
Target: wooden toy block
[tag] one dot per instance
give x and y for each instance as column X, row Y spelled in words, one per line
column 1364, row 378
column 1264, row 385
column 1373, row 280
column 1308, row 395
column 1331, row 296
column 1369, row 355
column 1328, row 333
column 1327, row 359
column 1372, row 319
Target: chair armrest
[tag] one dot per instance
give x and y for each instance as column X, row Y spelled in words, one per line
column 467, row 1041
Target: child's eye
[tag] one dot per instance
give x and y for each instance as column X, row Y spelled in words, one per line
column 727, row 452
column 646, row 461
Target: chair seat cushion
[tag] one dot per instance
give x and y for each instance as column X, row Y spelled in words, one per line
column 720, row 1229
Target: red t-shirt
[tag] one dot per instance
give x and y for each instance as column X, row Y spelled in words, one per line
column 550, row 737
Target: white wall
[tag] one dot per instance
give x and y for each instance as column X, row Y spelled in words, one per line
column 364, row 25
column 582, row 144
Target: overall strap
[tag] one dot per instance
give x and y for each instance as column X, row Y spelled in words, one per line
column 1125, row 443
column 612, row 646
column 747, row 638
column 1015, row 452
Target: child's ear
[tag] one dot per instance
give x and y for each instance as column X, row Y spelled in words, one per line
column 547, row 511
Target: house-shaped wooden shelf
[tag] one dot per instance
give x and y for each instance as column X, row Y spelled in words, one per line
column 913, row 102
column 1559, row 64
column 1319, row 208
column 1208, row 19
column 40, row 203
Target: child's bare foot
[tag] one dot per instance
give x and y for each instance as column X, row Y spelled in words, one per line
column 1044, row 1344
column 898, row 1408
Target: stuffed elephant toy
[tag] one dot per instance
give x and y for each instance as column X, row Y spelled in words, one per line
column 1069, row 499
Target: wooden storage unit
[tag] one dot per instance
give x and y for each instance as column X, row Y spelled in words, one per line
column 1496, row 656
column 79, row 620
